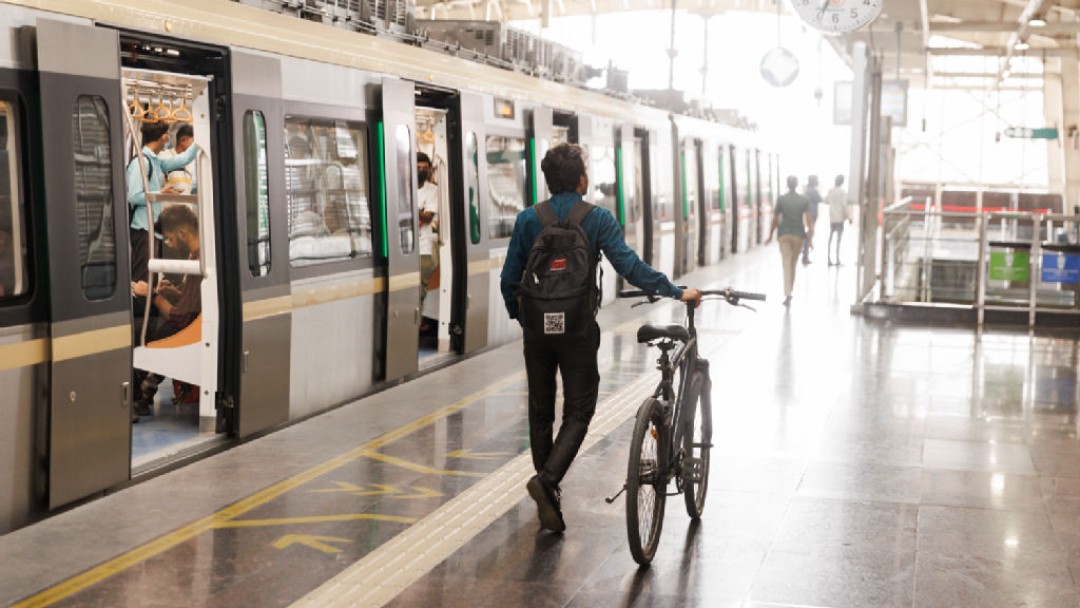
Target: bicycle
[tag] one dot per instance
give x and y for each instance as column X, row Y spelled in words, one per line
column 672, row 435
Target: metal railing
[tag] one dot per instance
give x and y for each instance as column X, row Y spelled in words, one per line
column 1005, row 261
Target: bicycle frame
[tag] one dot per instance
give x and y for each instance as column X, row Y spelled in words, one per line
column 683, row 360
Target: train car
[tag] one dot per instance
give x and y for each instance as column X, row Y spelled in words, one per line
column 310, row 249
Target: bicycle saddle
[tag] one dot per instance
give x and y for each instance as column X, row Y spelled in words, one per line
column 648, row 333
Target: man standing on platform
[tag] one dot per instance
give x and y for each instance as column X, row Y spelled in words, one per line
column 815, row 199
column 565, row 351
column 792, row 218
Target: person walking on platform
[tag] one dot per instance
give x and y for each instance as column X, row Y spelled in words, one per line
column 796, row 227
column 565, row 342
column 815, row 199
column 839, row 212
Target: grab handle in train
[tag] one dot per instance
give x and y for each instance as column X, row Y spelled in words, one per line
column 167, row 266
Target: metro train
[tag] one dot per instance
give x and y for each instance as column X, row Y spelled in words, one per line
column 306, row 196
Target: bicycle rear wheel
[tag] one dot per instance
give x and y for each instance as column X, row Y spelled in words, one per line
column 646, row 486
column 697, row 443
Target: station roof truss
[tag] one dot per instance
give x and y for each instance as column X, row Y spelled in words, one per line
column 974, row 44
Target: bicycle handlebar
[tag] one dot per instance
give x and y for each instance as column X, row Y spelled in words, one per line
column 729, row 294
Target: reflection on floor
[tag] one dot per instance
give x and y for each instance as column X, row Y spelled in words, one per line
column 171, row 430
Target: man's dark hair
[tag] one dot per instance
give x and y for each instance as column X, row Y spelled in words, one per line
column 839, row 180
column 812, row 180
column 153, row 131
column 792, row 182
column 563, row 167
column 185, row 130
column 175, row 217
column 422, row 157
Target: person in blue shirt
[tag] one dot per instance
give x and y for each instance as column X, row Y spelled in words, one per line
column 564, row 171
column 154, row 136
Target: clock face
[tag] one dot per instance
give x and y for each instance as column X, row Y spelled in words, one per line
column 838, row 16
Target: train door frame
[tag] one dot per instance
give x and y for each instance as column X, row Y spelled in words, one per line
column 644, row 162
column 144, row 51
column 89, row 400
column 686, row 216
column 759, row 199
column 539, row 127
column 402, row 259
column 704, row 207
column 459, row 224
column 724, row 152
column 630, row 219
column 472, row 288
column 264, row 285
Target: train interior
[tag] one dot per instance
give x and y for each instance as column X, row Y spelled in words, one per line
column 174, row 366
column 437, row 291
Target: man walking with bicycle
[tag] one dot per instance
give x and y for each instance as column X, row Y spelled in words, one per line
column 549, row 285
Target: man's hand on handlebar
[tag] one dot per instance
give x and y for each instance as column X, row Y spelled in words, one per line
column 691, row 294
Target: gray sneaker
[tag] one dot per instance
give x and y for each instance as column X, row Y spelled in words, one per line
column 547, row 504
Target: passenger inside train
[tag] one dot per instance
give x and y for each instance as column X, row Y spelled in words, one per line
column 428, row 197
column 182, row 180
column 177, row 305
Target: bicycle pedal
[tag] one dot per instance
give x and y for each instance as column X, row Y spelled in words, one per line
column 692, row 469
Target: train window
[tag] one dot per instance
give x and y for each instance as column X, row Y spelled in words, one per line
column 256, row 185
column 602, row 178
column 472, row 179
column 506, row 183
column 13, row 276
column 406, row 191
column 326, row 190
column 94, row 196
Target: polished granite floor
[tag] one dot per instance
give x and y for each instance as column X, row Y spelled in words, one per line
column 856, row 464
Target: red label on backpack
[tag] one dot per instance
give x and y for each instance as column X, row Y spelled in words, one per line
column 558, row 264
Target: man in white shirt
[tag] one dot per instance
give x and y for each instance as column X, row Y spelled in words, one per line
column 428, row 196
column 839, row 212
column 182, row 180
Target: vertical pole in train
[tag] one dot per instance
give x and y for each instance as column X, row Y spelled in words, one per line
column 705, row 62
column 856, row 181
column 672, row 53
column 869, row 220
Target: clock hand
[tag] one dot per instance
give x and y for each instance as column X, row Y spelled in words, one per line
column 821, row 10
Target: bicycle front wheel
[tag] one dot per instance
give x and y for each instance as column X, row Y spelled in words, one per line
column 646, row 482
column 697, row 443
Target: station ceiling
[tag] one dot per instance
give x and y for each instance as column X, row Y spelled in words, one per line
column 913, row 37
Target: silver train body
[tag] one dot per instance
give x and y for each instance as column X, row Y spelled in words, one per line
column 307, row 194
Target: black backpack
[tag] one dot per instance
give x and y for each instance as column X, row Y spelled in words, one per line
column 559, row 293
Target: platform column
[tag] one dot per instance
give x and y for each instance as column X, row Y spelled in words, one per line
column 1070, row 114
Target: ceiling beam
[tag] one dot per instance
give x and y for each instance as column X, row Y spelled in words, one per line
column 1051, row 29
column 1000, row 51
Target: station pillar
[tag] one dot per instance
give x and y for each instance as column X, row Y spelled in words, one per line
column 1068, row 152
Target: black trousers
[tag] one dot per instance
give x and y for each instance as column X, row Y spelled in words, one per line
column 576, row 362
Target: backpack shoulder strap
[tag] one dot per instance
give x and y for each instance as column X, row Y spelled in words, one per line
column 578, row 212
column 546, row 213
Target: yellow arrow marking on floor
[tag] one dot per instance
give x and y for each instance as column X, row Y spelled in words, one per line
column 471, row 455
column 419, row 468
column 313, row 519
column 383, row 489
column 308, row 540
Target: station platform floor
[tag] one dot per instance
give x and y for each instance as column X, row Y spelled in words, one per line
column 856, row 464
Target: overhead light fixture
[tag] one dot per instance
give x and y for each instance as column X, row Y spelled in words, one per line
column 1022, row 46
column 1037, row 22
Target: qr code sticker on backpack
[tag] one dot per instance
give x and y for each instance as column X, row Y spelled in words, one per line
column 554, row 323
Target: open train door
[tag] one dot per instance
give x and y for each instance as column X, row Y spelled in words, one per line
column 89, row 297
column 400, row 247
column 539, row 130
column 257, row 106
